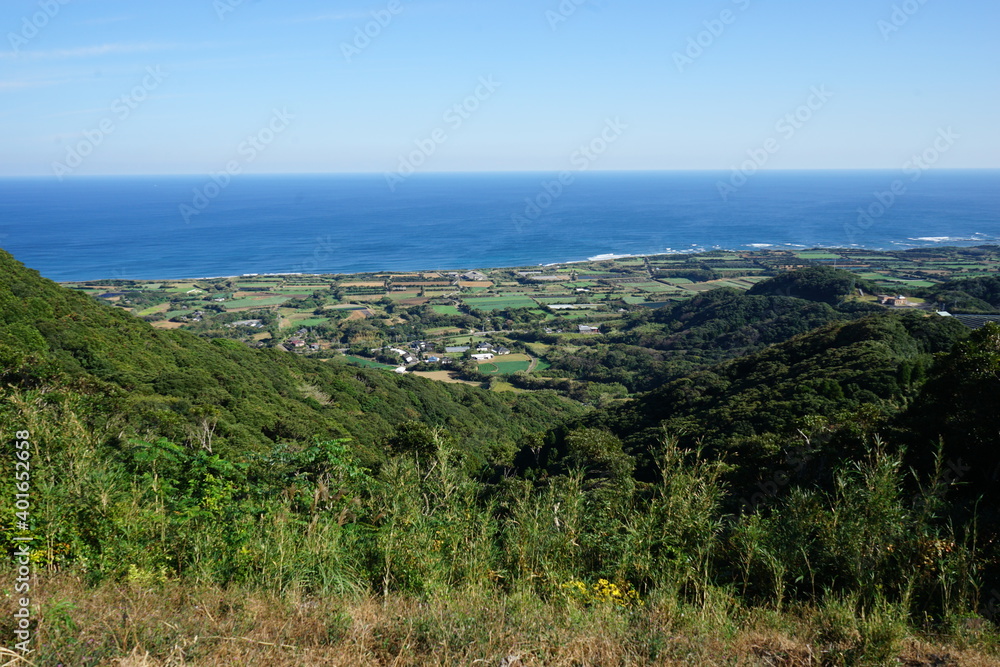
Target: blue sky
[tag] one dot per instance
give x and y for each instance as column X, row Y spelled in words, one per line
column 189, row 86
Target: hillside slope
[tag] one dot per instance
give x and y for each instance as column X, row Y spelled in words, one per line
column 819, row 391
column 176, row 385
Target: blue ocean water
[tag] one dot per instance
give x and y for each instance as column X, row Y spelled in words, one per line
column 186, row 227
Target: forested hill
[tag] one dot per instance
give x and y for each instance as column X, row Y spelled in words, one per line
column 799, row 474
column 879, row 361
column 651, row 347
column 967, row 295
column 219, row 394
column 825, row 391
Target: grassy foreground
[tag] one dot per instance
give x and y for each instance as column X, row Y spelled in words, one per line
column 139, row 624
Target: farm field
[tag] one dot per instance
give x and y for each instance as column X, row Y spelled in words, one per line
column 442, row 376
column 808, row 254
column 506, row 365
column 256, row 303
column 432, row 307
column 310, row 322
column 367, row 363
column 500, row 303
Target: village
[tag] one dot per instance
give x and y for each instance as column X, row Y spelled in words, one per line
column 465, row 325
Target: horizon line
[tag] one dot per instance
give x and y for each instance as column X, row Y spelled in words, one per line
column 477, row 172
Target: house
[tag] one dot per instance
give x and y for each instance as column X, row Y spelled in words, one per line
column 898, row 300
column 314, row 347
column 502, row 350
column 484, row 347
column 482, row 357
column 447, row 361
column 401, row 370
column 409, row 358
column 584, row 329
column 297, row 342
column 433, row 360
column 474, row 276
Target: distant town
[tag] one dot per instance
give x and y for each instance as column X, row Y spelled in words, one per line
column 467, row 325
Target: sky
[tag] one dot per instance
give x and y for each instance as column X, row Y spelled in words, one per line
column 90, row 87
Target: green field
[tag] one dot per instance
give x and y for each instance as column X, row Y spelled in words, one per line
column 176, row 313
column 503, row 367
column 311, row 322
column 153, row 310
column 367, row 363
column 654, row 287
column 500, row 302
column 817, row 254
column 908, row 283
column 296, row 289
column 446, row 310
column 251, row 303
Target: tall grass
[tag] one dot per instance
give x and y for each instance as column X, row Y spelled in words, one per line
column 862, row 561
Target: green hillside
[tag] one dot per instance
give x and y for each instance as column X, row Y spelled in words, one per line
column 782, row 493
column 172, row 384
column 649, row 347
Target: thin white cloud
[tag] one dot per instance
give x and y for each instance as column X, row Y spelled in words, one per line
column 78, row 112
column 8, row 86
column 96, row 51
column 106, row 20
column 329, row 17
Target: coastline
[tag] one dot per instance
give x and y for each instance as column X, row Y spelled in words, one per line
column 929, row 243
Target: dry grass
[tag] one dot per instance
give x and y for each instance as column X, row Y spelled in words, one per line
column 176, row 625
column 444, row 376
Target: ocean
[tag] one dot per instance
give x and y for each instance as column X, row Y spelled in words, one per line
column 188, row 227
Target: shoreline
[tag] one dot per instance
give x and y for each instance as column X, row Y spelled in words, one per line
column 753, row 248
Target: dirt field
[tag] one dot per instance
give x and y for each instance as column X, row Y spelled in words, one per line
column 442, row 376
column 359, row 314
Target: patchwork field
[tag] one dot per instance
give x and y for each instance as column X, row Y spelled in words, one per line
column 500, row 303
column 256, row 303
column 432, row 307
